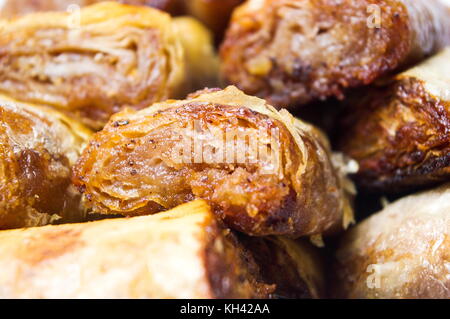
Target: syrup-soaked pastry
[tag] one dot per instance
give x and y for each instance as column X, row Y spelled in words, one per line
column 399, row 132
column 98, row 61
column 292, row 52
column 401, row 252
column 38, row 147
column 184, row 253
column 263, row 171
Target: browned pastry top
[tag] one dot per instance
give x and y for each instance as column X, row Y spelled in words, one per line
column 140, row 163
column 400, row 132
column 184, row 253
column 292, row 52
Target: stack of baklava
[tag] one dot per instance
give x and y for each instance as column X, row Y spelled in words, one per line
column 159, row 149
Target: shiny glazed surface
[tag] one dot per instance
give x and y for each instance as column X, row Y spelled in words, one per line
column 38, row 148
column 134, row 166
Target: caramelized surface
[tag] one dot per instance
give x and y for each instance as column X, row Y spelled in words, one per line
column 38, row 148
column 292, row 52
column 136, row 165
column 400, row 132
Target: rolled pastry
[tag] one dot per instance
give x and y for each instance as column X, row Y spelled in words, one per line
column 401, row 252
column 183, row 253
column 98, row 61
column 292, row 52
column 263, row 171
column 400, row 132
column 38, row 147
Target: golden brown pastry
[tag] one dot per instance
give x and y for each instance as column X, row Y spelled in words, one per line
column 13, row 8
column 184, row 253
column 401, row 252
column 264, row 172
column 38, row 147
column 292, row 52
column 400, row 132
column 114, row 56
column 293, row 266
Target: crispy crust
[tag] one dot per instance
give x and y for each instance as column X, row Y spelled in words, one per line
column 169, row 255
column 292, row 52
column 400, row 133
column 401, row 252
column 134, row 166
column 120, row 56
column 38, row 148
